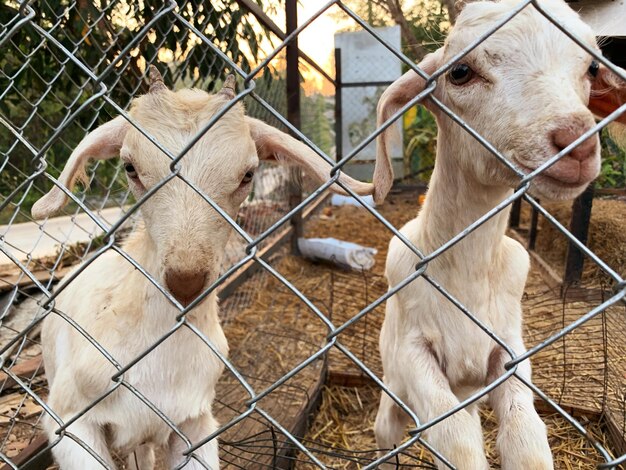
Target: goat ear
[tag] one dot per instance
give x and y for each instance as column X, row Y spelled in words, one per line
column 272, row 144
column 399, row 93
column 103, row 143
column 608, row 92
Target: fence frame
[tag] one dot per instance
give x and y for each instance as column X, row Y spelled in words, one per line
column 332, row 339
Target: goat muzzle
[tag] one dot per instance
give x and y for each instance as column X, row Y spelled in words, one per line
column 579, row 165
column 185, row 286
column 563, row 137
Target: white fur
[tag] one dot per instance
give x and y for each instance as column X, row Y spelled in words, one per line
column 181, row 243
column 532, row 83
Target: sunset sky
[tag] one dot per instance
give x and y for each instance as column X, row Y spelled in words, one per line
column 317, row 40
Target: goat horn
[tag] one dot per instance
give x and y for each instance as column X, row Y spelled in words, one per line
column 228, row 88
column 156, row 80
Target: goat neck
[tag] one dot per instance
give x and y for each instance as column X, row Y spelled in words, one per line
column 456, row 199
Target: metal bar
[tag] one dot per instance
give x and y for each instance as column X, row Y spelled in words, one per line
column 338, row 107
column 365, row 84
column 581, row 246
column 532, row 234
column 579, row 227
column 274, row 28
column 294, row 116
column 516, row 209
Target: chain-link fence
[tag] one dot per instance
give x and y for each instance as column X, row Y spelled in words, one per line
column 67, row 67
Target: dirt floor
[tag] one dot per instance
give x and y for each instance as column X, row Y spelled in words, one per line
column 585, row 370
column 607, row 237
column 344, row 427
column 271, row 332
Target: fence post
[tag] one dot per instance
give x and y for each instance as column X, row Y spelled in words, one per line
column 516, row 209
column 532, row 232
column 338, row 107
column 579, row 226
column 293, row 115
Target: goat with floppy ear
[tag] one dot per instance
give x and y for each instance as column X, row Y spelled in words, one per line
column 531, row 92
column 180, row 244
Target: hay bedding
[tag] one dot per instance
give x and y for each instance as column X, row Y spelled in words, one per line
column 607, row 238
column 344, row 426
column 572, row 371
column 269, row 338
column 273, row 331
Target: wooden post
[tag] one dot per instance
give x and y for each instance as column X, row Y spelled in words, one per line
column 338, row 107
column 516, row 208
column 293, row 115
column 532, row 233
column 579, row 226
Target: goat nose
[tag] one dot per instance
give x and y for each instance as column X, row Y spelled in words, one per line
column 564, row 136
column 185, row 286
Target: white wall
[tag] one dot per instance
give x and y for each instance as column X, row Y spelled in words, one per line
column 364, row 59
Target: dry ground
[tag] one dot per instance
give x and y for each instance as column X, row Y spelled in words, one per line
column 270, row 332
column 584, row 370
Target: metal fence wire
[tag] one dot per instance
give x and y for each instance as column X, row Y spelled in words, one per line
column 65, row 68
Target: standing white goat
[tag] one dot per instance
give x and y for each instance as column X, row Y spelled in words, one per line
column 526, row 89
column 181, row 246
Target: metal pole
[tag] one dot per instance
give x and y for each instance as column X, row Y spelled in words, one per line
column 257, row 11
column 532, row 233
column 515, row 213
column 293, row 115
column 338, row 106
column 579, row 226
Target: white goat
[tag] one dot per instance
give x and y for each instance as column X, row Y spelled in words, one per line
column 181, row 246
column 526, row 89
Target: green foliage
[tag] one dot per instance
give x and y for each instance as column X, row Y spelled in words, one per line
column 272, row 87
column 429, row 25
column 44, row 88
column 315, row 110
column 613, row 169
column 420, row 143
column 426, row 21
column 316, row 124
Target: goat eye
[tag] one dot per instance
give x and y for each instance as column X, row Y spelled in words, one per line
column 594, row 68
column 247, row 177
column 460, row 74
column 130, row 170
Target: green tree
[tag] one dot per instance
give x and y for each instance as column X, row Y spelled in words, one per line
column 613, row 169
column 48, row 65
column 316, row 122
column 423, row 23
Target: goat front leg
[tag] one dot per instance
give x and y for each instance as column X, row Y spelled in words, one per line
column 522, row 438
column 390, row 424
column 195, row 429
column 69, row 454
column 459, row 437
column 390, row 420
